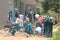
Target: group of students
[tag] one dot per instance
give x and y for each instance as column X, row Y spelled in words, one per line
column 42, row 25
column 45, row 24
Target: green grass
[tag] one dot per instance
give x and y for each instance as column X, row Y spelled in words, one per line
column 57, row 35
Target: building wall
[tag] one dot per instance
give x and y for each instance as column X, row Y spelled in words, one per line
column 4, row 9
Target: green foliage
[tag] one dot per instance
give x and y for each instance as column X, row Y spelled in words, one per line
column 52, row 4
column 57, row 36
column 49, row 7
column 52, row 13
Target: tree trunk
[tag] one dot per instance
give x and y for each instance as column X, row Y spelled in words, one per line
column 59, row 17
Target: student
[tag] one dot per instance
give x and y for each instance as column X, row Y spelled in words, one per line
column 50, row 28
column 36, row 16
column 28, row 26
column 15, row 27
column 33, row 28
column 17, row 22
column 40, row 20
column 38, row 30
column 10, row 15
column 46, row 27
column 56, row 22
column 16, row 14
column 21, row 21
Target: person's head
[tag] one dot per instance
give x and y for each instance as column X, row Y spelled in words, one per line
column 27, row 20
column 10, row 11
column 39, row 16
column 16, row 14
column 50, row 19
column 38, row 13
column 20, row 13
column 17, row 17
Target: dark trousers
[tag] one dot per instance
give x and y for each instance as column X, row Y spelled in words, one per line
column 50, row 31
column 28, row 29
column 14, row 29
column 46, row 31
column 38, row 24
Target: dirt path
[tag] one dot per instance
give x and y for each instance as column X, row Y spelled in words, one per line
column 4, row 35
column 55, row 28
column 19, row 36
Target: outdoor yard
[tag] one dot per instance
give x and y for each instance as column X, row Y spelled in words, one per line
column 23, row 36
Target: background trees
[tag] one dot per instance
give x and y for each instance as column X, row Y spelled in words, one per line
column 50, row 7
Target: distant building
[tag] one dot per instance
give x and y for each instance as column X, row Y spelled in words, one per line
column 21, row 5
column 4, row 9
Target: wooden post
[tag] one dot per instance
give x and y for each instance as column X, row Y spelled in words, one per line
column 13, row 14
column 59, row 17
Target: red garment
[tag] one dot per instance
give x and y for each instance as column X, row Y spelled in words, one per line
column 40, row 19
column 33, row 27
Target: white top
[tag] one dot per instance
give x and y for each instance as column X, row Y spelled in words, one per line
column 38, row 29
column 17, row 21
column 31, row 12
column 21, row 19
column 36, row 16
column 21, row 16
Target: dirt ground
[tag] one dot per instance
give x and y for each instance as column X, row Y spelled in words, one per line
column 4, row 35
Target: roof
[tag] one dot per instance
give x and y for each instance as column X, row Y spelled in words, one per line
column 32, row 2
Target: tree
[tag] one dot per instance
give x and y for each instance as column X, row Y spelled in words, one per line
column 53, row 5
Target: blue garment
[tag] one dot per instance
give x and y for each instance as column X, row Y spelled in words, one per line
column 47, row 31
column 13, row 30
column 16, row 27
column 48, row 18
column 47, row 27
column 28, row 28
column 38, row 24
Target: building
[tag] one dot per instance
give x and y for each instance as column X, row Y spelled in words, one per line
column 26, row 5
column 22, row 6
column 4, row 9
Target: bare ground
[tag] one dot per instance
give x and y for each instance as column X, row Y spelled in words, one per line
column 4, row 35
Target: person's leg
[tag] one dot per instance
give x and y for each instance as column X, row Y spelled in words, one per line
column 6, row 26
column 37, row 24
column 13, row 32
column 30, row 29
column 25, row 29
column 10, row 29
column 46, row 31
column 14, row 29
column 40, row 24
column 21, row 28
column 50, row 31
column 34, row 32
column 18, row 27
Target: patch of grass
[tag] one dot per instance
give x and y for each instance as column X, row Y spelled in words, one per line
column 56, row 36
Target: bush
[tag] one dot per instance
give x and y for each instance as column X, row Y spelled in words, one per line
column 57, row 36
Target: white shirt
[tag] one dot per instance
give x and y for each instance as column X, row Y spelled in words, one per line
column 38, row 29
column 36, row 16
column 21, row 16
column 31, row 12
column 17, row 21
column 21, row 19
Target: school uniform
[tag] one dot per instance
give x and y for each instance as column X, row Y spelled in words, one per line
column 40, row 22
column 47, row 27
column 28, row 28
column 15, row 27
column 50, row 28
